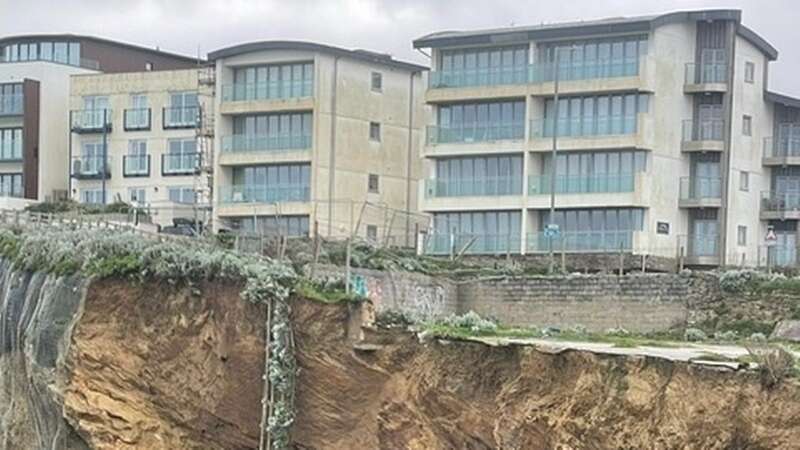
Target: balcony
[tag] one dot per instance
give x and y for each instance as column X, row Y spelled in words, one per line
column 782, row 151
column 703, row 135
column 780, row 205
column 180, row 117
column 476, row 133
column 705, row 78
column 699, row 249
column 136, row 119
column 278, row 90
column 582, row 184
column 700, row 192
column 91, row 121
column 265, row 193
column 782, row 256
column 479, row 77
column 11, row 105
column 593, row 133
column 180, row 164
column 582, row 242
column 473, row 244
column 136, row 166
column 475, row 187
column 242, row 143
column 91, row 167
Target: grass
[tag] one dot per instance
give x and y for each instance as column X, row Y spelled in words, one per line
column 329, row 295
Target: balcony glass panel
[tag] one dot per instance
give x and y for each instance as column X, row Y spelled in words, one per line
column 181, row 116
column 477, row 133
column 707, row 73
column 265, row 193
column 603, row 241
column 271, row 82
column 773, row 201
column 472, row 244
column 91, row 166
column 136, row 164
column 589, row 70
column 700, row 245
column 582, row 184
column 91, row 119
column 579, row 127
column 701, row 188
column 703, row 130
column 250, row 143
column 475, row 187
column 137, row 119
column 185, row 162
column 786, row 144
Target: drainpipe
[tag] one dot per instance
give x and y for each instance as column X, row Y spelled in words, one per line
column 332, row 158
column 409, row 152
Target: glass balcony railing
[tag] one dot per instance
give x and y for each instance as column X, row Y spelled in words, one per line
column 582, row 184
column 180, row 163
column 278, row 90
column 91, row 120
column 700, row 245
column 180, row 117
column 706, row 73
column 546, row 72
column 136, row 165
column 475, row 133
column 703, row 130
column 776, row 201
column 782, row 256
column 701, row 188
column 484, row 76
column 474, row 187
column 136, row 119
column 254, row 143
column 91, row 167
column 11, row 104
column 473, row 244
column 782, row 147
column 265, row 193
column 584, row 127
column 582, row 242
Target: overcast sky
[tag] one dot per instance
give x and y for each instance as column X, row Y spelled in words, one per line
column 186, row 26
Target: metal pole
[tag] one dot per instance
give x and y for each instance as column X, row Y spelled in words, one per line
column 553, row 158
column 105, row 153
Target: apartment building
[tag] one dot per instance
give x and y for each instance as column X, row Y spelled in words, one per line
column 35, row 73
column 308, row 133
column 666, row 141
column 154, row 150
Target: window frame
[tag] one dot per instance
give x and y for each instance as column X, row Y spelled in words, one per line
column 749, row 72
column 744, row 181
column 747, row 125
column 374, row 126
column 741, row 235
column 372, row 85
column 373, row 188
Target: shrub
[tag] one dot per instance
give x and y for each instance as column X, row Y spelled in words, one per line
column 694, row 335
column 619, row 332
column 472, row 322
column 736, row 281
column 728, row 336
column 774, row 364
column 757, row 337
column 747, row 327
column 393, row 319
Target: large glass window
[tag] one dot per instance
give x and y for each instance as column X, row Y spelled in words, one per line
column 481, row 67
column 10, row 144
column 593, row 116
column 276, row 225
column 183, row 109
column 270, row 183
column 466, row 176
column 270, row 132
column 587, row 172
column 477, row 232
column 11, row 184
column 271, row 81
column 181, row 156
column 595, row 58
column 590, row 230
column 10, row 99
column 485, row 121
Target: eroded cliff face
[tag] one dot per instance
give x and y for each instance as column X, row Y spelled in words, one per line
column 401, row 394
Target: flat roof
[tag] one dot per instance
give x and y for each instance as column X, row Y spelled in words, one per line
column 81, row 37
column 363, row 55
column 783, row 99
column 641, row 24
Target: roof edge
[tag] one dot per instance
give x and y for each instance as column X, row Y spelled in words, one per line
column 783, row 99
column 362, row 55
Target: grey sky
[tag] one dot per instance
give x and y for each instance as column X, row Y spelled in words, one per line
column 382, row 25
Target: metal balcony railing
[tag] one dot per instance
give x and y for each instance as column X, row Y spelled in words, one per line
column 276, row 90
column 776, row 201
column 180, row 117
column 264, row 143
column 475, row 133
column 707, row 73
column 136, row 165
column 265, row 193
column 91, row 120
column 584, row 127
column 180, row 163
column 582, row 184
column 700, row 188
column 89, row 167
column 473, row 187
column 703, row 130
column 782, row 146
column 136, row 119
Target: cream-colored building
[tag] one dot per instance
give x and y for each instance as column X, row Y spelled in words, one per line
column 312, row 133
column 664, row 128
column 156, row 142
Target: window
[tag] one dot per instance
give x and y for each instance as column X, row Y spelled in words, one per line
column 484, row 121
column 181, row 194
column 181, row 156
column 373, row 183
column 92, row 196
column 183, row 110
column 276, row 225
column 744, row 181
column 10, row 144
column 137, row 194
column 741, row 235
column 262, row 132
column 487, row 231
column 747, row 125
column 377, row 82
column 148, row 66
column 593, row 115
column 270, row 183
column 375, row 131
column 372, row 232
column 481, row 175
column 272, row 81
column 10, row 185
column 749, row 72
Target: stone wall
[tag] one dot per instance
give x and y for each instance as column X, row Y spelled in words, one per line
column 635, row 302
column 418, row 295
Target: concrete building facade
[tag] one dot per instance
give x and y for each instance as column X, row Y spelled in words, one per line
column 157, row 142
column 35, row 73
column 663, row 130
column 309, row 133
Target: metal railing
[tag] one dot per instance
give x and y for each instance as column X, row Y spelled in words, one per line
column 11, row 104
column 91, row 166
column 583, row 127
column 91, row 119
column 473, row 187
column 136, row 119
column 476, row 133
column 136, row 165
column 265, row 193
column 180, row 117
column 545, row 72
column 706, row 73
column 700, row 188
column 276, row 90
column 582, row 184
column 472, row 244
column 180, row 163
column 782, row 146
column 479, row 76
column 699, row 245
column 703, row 130
column 775, row 201
column 264, row 143
column 606, row 241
